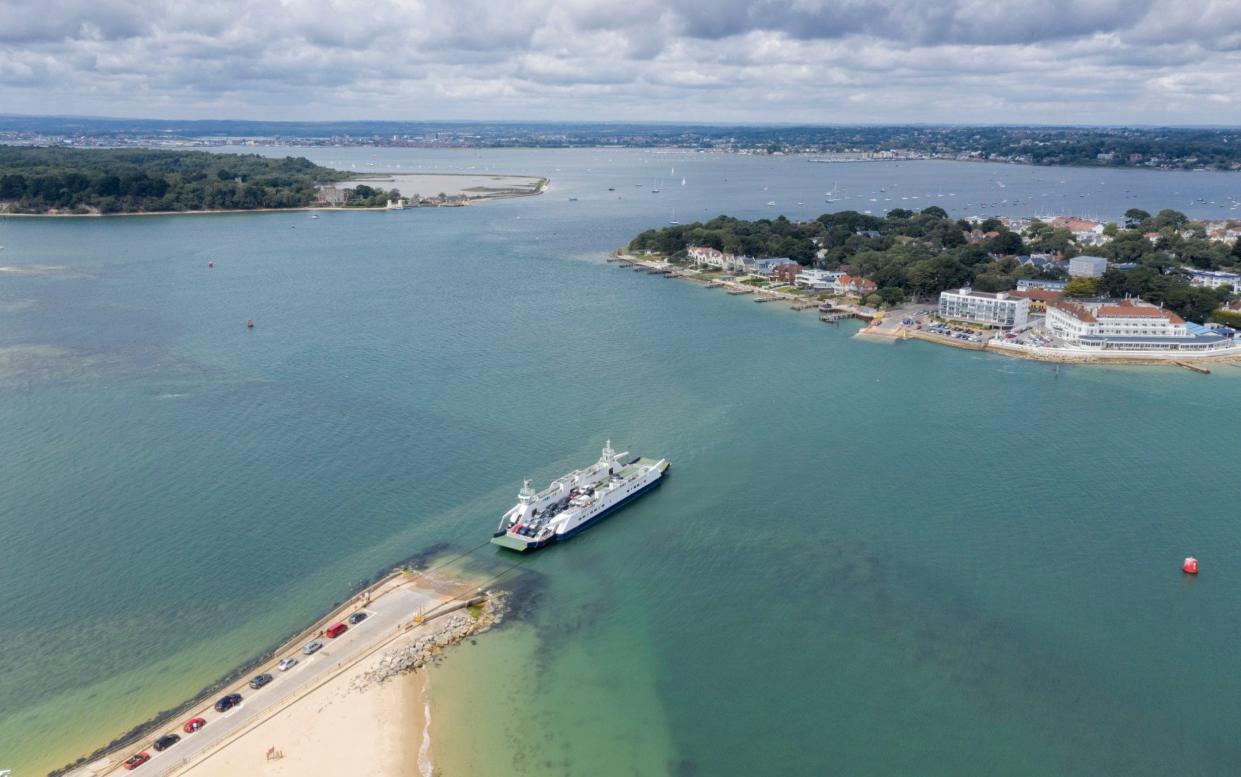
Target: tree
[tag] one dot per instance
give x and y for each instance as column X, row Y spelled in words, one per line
column 1169, row 218
column 1081, row 287
column 1005, row 243
column 892, row 295
column 935, row 211
column 1136, row 217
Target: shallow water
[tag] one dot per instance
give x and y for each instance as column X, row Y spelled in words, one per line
column 868, row 558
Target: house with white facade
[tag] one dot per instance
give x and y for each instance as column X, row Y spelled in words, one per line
column 981, row 307
column 706, row 255
column 819, row 280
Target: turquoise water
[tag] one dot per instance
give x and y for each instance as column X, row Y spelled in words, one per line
column 869, row 558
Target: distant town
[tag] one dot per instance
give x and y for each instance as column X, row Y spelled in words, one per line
column 1156, row 148
column 1156, row 287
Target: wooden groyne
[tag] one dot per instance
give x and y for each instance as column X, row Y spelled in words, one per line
column 738, row 292
column 1193, row 367
column 762, row 298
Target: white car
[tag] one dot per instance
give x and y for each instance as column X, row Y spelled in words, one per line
column 286, row 664
column 312, row 647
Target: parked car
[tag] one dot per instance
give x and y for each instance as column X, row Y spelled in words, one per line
column 286, row 664
column 228, row 702
column 260, row 680
column 137, row 760
column 193, row 724
column 336, row 629
column 312, row 647
column 166, row 741
column 357, row 618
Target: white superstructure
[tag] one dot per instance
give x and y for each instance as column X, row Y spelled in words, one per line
column 575, row 500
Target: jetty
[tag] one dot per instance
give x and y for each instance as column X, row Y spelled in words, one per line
column 804, row 305
column 738, row 292
column 1193, row 368
column 767, row 298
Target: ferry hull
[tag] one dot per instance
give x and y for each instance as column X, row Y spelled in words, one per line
column 519, row 545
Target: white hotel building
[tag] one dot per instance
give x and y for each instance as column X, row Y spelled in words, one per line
column 1127, row 325
column 980, row 307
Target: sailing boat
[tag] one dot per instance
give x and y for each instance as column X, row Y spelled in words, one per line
column 674, row 217
column 682, row 181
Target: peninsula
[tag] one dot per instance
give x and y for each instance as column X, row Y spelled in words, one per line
column 1153, row 288
column 42, row 181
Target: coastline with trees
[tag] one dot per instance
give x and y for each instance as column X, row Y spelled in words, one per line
column 916, row 255
column 69, row 182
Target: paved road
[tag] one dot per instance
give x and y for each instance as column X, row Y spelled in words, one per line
column 383, row 615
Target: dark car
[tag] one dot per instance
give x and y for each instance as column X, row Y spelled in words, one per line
column 357, row 618
column 228, row 702
column 260, row 680
column 137, row 760
column 166, row 741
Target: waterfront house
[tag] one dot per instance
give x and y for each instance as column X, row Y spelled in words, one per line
column 819, row 280
column 763, row 267
column 1127, row 325
column 847, row 284
column 330, row 195
column 786, row 272
column 706, row 255
column 980, row 307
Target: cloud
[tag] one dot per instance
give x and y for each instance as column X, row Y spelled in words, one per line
column 1011, row 61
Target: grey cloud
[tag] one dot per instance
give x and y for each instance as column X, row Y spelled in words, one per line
column 728, row 60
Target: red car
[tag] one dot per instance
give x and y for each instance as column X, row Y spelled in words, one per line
column 193, row 724
column 337, row 630
column 138, row 760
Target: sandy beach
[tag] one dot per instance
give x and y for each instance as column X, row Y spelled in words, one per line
column 337, row 729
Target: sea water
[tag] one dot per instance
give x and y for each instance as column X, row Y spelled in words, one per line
column 868, row 557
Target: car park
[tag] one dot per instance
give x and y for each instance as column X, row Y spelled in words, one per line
column 193, row 724
column 226, row 703
column 166, row 741
column 137, row 760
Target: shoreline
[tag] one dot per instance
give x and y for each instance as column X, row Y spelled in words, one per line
column 1193, row 361
column 370, row 679
column 543, row 185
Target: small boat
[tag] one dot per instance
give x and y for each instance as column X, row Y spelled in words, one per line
column 771, row 203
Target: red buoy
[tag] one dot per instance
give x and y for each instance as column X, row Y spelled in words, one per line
column 1190, row 567
column 250, row 324
column 211, row 264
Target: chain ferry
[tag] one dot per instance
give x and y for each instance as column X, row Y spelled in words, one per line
column 577, row 500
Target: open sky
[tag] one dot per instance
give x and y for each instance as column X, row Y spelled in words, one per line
column 812, row 61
